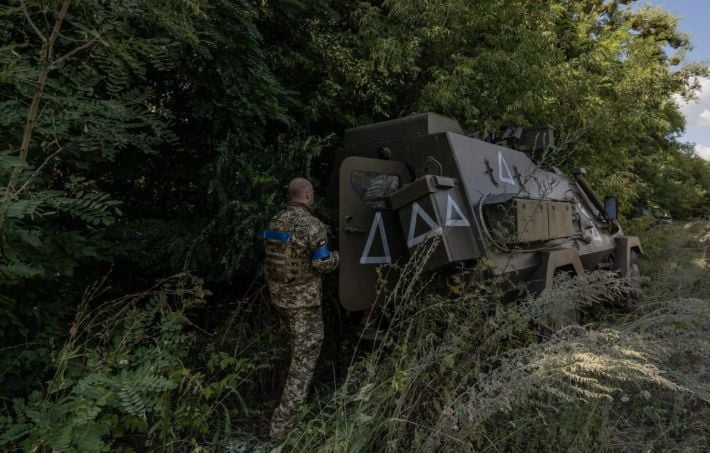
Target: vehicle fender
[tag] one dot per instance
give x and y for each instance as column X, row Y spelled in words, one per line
column 552, row 260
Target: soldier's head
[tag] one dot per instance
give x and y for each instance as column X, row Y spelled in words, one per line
column 300, row 190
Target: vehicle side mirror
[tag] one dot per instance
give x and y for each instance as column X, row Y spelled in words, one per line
column 611, row 208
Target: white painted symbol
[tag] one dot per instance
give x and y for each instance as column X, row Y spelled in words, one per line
column 503, row 168
column 584, row 211
column 435, row 229
column 377, row 225
column 595, row 235
column 450, row 207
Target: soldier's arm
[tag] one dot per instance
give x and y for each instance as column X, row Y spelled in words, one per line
column 322, row 258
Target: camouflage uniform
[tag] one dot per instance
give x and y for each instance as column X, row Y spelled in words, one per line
column 294, row 275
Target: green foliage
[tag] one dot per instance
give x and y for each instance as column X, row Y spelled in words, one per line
column 597, row 71
column 679, row 182
column 121, row 379
column 166, row 130
column 97, row 109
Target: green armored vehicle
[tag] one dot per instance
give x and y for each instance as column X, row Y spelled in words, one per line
column 399, row 183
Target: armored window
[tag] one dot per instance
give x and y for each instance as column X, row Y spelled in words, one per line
column 374, row 188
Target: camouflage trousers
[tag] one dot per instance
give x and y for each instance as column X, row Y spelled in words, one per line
column 305, row 331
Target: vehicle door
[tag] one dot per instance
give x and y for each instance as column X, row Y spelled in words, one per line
column 369, row 232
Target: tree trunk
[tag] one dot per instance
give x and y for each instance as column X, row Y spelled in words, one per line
column 47, row 60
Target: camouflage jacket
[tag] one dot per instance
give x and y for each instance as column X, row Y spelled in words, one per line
column 293, row 275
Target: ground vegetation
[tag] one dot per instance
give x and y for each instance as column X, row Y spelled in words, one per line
column 143, row 145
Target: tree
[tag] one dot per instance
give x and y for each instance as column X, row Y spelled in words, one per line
column 143, row 139
column 76, row 100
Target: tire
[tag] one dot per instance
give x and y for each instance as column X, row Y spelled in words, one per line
column 634, row 268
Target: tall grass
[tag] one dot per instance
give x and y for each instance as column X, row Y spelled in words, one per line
column 474, row 373
column 469, row 372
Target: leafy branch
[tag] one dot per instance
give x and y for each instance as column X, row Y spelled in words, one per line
column 48, row 62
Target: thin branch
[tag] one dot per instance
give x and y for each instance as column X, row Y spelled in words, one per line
column 56, row 62
column 66, row 38
column 22, row 345
column 46, row 61
column 46, row 161
column 55, row 31
column 32, row 24
column 36, row 172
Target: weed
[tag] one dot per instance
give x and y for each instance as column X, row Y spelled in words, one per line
column 472, row 372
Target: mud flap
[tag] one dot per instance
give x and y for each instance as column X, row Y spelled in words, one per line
column 622, row 253
column 550, row 261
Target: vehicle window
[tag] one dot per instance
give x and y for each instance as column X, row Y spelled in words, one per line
column 373, row 188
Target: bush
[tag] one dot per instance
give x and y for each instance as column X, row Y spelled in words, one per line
column 121, row 377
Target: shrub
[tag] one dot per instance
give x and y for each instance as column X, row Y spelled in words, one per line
column 121, row 377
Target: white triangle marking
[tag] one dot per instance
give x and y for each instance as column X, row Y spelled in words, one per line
column 503, row 165
column 417, row 211
column 461, row 221
column 377, row 225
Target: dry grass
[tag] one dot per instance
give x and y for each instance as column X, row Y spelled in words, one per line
column 471, row 373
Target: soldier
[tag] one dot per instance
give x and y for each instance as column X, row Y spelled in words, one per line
column 297, row 255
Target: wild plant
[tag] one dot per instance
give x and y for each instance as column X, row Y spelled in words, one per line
column 125, row 378
column 473, row 372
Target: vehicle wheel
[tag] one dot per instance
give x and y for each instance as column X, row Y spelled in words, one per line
column 634, row 268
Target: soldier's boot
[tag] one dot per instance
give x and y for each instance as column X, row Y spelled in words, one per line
column 306, row 336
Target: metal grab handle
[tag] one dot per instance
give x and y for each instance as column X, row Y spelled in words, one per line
column 354, row 230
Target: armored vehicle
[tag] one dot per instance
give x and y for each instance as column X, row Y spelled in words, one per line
column 402, row 182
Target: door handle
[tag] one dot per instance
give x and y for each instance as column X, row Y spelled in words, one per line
column 354, row 230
